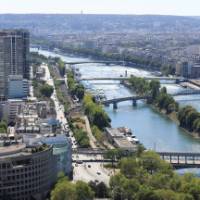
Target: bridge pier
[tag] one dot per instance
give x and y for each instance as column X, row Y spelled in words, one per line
column 134, row 102
column 107, row 104
column 115, row 106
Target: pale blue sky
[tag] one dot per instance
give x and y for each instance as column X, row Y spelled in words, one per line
column 168, row 7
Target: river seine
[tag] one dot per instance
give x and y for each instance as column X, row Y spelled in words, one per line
column 154, row 130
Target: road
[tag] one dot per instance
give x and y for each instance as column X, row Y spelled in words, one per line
column 58, row 107
column 85, row 171
column 92, row 172
column 89, row 132
column 31, row 93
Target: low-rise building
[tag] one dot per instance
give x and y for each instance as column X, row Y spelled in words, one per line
column 9, row 109
column 119, row 140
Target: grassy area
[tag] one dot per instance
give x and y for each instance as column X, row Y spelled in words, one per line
column 60, row 95
column 78, row 127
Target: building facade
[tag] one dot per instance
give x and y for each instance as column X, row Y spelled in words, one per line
column 62, row 150
column 14, row 56
column 17, row 87
column 26, row 173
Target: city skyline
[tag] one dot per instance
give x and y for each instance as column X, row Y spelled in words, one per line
column 170, row 7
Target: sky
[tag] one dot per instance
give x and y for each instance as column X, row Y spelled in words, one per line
column 164, row 7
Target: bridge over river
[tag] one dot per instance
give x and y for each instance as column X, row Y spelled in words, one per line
column 177, row 79
column 176, row 159
column 134, row 98
column 98, row 62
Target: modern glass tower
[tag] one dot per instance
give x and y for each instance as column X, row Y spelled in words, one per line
column 14, row 57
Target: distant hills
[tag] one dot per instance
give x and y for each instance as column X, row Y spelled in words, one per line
column 55, row 24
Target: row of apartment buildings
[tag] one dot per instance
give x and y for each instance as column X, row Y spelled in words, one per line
column 34, row 149
column 188, row 69
column 33, row 153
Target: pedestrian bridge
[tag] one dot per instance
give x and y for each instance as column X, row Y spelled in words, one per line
column 181, row 159
column 177, row 159
column 186, row 92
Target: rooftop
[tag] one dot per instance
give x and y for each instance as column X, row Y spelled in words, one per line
column 113, row 132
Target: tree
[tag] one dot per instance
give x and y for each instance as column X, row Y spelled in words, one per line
column 3, row 127
column 83, row 191
column 129, row 167
column 95, row 113
column 61, row 67
column 152, row 163
column 46, row 90
column 112, row 154
column 116, row 186
column 63, row 190
column 66, row 190
column 97, row 134
column 183, row 115
column 154, row 88
column 100, row 189
column 79, row 91
column 100, row 118
column 163, row 90
column 196, row 125
column 190, row 119
column 146, row 193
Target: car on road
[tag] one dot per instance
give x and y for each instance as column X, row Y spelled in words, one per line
column 79, row 162
column 98, row 173
column 89, row 166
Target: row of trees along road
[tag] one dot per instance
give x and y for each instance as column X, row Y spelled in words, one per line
column 147, row 177
column 66, row 190
column 75, row 88
column 95, row 113
column 140, row 177
column 188, row 117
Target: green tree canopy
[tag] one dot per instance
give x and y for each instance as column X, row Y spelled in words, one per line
column 46, row 90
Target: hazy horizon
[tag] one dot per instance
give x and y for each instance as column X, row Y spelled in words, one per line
column 123, row 7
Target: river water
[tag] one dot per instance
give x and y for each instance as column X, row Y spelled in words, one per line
column 153, row 129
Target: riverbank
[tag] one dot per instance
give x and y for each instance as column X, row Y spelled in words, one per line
column 93, row 55
column 153, row 130
column 173, row 117
column 165, row 104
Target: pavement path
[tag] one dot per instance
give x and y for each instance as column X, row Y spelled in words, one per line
column 89, row 132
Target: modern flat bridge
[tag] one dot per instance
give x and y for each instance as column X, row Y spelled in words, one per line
column 177, row 159
column 178, row 79
column 98, row 62
column 187, row 92
column 181, row 159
